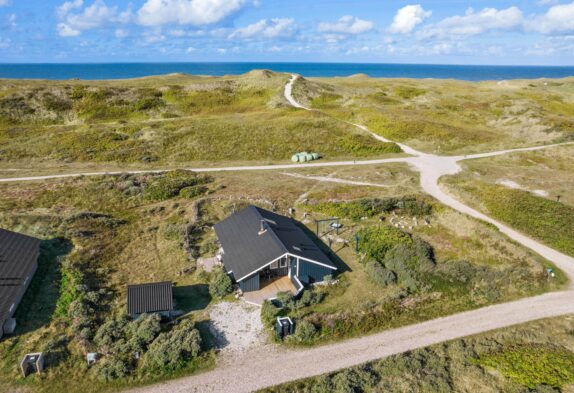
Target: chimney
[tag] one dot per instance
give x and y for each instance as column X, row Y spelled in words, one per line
column 263, row 228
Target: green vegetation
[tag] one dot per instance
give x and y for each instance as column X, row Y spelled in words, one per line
column 408, row 92
column 533, row 365
column 400, row 280
column 168, row 120
column 184, row 183
column 369, row 208
column 550, row 221
column 517, row 359
column 454, row 117
column 220, row 284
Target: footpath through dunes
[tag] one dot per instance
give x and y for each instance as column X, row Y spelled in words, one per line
column 257, row 370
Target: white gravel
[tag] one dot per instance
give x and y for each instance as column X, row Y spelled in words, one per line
column 237, row 327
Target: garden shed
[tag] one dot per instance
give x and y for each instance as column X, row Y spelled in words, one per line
column 151, row 298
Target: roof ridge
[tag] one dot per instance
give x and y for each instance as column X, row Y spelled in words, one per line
column 275, row 236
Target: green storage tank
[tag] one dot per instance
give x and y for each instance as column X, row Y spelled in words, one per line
column 316, row 156
column 295, row 158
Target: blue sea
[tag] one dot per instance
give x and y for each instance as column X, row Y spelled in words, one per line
column 96, row 71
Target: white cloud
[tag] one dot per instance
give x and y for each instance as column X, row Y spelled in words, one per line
column 154, row 36
column 558, row 19
column 190, row 49
column 5, row 43
column 184, row 12
column 66, row 31
column 221, row 51
column 475, row 23
column 407, row 18
column 4, row 3
column 347, row 25
column 66, row 7
column 333, row 38
column 91, row 17
column 274, row 28
column 275, row 48
column 121, row 33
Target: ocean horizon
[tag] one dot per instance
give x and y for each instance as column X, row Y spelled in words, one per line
column 105, row 71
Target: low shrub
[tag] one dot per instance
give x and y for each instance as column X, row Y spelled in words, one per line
column 269, row 313
column 111, row 368
column 309, row 297
column 379, row 274
column 372, row 207
column 172, row 183
column 376, row 241
column 172, row 350
column 305, row 332
column 533, row 365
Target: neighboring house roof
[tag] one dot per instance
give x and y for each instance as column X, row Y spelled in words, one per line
column 18, row 260
column 246, row 249
column 150, row 298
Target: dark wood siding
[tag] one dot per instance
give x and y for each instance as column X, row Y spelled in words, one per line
column 250, row 283
column 311, row 272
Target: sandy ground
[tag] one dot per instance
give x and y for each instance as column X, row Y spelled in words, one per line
column 237, row 327
column 516, row 186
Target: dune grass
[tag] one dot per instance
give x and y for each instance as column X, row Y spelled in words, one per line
column 447, row 116
column 547, row 220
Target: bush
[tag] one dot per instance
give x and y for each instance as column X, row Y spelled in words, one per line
column 171, row 350
column 269, row 313
column 111, row 368
column 143, row 331
column 110, row 332
column 220, row 284
column 286, row 299
column 304, row 332
column 379, row 274
column 376, row 241
column 309, row 298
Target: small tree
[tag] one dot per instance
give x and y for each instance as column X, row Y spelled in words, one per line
column 220, row 284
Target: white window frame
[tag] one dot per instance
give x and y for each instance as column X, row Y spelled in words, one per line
column 283, row 263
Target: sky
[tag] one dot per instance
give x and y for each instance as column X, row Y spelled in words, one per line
column 536, row 32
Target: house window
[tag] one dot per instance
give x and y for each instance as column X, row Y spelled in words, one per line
column 283, row 262
column 274, row 265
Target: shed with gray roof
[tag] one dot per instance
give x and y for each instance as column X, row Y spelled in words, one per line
column 151, row 298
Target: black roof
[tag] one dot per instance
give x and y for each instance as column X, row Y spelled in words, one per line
column 247, row 250
column 150, row 298
column 18, row 260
